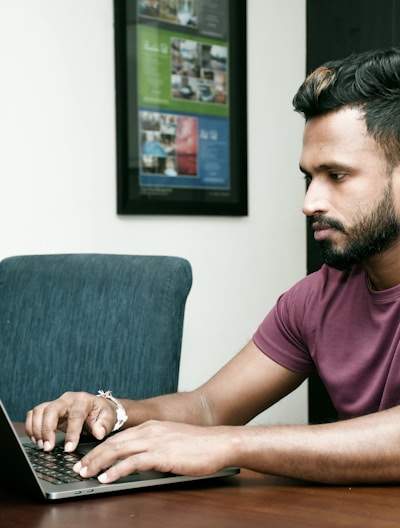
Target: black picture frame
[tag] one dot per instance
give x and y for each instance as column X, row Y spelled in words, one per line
column 181, row 107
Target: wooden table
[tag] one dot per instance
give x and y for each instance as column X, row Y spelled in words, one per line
column 246, row 500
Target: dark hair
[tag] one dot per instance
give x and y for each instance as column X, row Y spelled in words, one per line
column 370, row 81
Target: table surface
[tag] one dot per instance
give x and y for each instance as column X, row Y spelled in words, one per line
column 248, row 499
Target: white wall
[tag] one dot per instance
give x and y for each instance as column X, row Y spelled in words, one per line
column 57, row 170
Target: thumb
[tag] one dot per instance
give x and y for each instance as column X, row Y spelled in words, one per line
column 101, row 420
column 99, row 431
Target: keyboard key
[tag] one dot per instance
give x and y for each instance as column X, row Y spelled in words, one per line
column 54, row 466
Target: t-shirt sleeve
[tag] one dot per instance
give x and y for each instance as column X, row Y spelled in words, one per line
column 281, row 335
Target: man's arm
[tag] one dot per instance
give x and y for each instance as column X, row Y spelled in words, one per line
column 248, row 384
column 363, row 450
column 359, row 451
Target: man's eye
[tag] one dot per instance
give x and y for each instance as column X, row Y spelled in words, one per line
column 337, row 175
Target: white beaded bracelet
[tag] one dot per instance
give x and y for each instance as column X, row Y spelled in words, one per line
column 122, row 417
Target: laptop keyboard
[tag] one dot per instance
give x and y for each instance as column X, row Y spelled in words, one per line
column 54, row 466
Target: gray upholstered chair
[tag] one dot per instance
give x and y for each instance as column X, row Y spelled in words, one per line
column 89, row 322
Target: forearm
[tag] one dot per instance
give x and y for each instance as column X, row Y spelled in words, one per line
column 364, row 450
column 185, row 407
column 244, row 387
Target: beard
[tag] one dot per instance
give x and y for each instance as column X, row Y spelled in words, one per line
column 372, row 233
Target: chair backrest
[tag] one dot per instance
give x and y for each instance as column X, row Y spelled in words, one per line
column 89, row 322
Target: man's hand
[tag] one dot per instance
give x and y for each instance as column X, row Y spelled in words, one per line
column 72, row 413
column 161, row 446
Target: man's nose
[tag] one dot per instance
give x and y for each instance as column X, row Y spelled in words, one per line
column 315, row 200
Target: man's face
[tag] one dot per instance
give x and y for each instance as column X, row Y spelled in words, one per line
column 350, row 198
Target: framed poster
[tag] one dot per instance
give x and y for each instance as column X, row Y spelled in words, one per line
column 181, row 107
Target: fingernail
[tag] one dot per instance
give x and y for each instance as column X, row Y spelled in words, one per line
column 68, row 447
column 102, row 478
column 100, row 432
column 46, row 446
column 83, row 471
column 33, row 440
column 40, row 444
column 77, row 467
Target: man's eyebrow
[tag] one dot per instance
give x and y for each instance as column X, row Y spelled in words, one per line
column 327, row 167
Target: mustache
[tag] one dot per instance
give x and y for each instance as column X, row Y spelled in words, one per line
column 327, row 221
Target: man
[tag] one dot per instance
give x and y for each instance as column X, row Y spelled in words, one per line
column 342, row 321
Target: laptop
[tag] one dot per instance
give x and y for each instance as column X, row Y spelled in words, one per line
column 36, row 472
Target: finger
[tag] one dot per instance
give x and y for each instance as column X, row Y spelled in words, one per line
column 145, row 461
column 125, row 467
column 96, row 415
column 69, row 412
column 121, row 446
column 74, row 430
column 42, row 422
column 102, row 456
column 81, row 409
column 101, row 418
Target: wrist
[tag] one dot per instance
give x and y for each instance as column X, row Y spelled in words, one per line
column 121, row 415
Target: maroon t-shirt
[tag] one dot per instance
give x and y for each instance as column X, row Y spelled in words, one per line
column 333, row 322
